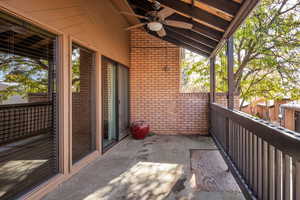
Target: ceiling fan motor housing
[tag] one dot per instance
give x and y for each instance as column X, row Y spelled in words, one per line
column 155, row 26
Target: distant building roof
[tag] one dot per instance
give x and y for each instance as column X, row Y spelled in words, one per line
column 295, row 105
column 3, row 86
column 270, row 104
column 245, row 104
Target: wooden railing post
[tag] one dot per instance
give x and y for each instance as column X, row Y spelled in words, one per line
column 230, row 75
column 212, row 80
column 212, row 94
column 297, row 179
column 230, row 96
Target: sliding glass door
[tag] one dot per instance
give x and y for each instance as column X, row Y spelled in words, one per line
column 123, row 101
column 115, row 102
column 109, row 72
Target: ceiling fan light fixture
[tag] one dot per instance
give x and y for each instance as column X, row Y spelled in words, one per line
column 155, row 26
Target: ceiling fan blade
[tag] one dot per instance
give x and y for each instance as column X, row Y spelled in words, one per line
column 135, row 26
column 179, row 24
column 165, row 12
column 161, row 32
column 135, row 15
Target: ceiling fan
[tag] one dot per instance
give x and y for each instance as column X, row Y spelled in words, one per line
column 156, row 20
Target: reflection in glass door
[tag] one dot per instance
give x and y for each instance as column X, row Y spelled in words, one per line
column 115, row 102
column 109, row 72
column 83, row 102
column 123, row 101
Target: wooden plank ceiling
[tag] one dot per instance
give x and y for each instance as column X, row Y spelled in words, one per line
column 214, row 21
column 16, row 39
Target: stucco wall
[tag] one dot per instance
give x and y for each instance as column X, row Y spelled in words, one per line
column 97, row 23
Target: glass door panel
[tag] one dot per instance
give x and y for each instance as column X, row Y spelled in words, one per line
column 28, row 107
column 123, row 101
column 83, row 102
column 109, row 72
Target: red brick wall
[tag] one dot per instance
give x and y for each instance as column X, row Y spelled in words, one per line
column 277, row 105
column 81, row 102
column 154, row 91
column 221, row 98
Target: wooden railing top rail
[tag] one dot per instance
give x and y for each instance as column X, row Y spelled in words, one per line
column 25, row 104
column 283, row 139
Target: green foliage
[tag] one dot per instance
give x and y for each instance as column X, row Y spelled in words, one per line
column 267, row 53
column 76, row 70
column 194, row 79
column 221, row 72
column 22, row 75
column 195, row 74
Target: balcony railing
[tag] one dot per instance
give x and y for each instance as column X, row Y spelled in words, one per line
column 264, row 158
column 18, row 121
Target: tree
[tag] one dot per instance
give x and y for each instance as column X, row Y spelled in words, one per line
column 22, row 75
column 193, row 79
column 267, row 53
column 200, row 67
column 76, row 70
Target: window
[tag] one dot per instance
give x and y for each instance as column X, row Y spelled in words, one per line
column 194, row 70
column 28, row 138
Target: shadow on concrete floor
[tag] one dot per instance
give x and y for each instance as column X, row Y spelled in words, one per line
column 156, row 168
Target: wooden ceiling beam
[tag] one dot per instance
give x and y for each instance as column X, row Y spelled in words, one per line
column 179, row 43
column 201, row 22
column 210, row 9
column 25, row 51
column 188, row 41
column 199, row 28
column 183, row 45
column 227, row 6
column 246, row 8
column 19, row 38
column 28, row 41
column 204, row 30
column 195, row 50
column 194, row 12
column 40, row 43
column 144, row 5
column 238, row 1
column 194, row 36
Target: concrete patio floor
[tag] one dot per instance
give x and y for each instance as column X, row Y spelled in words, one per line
column 159, row 167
